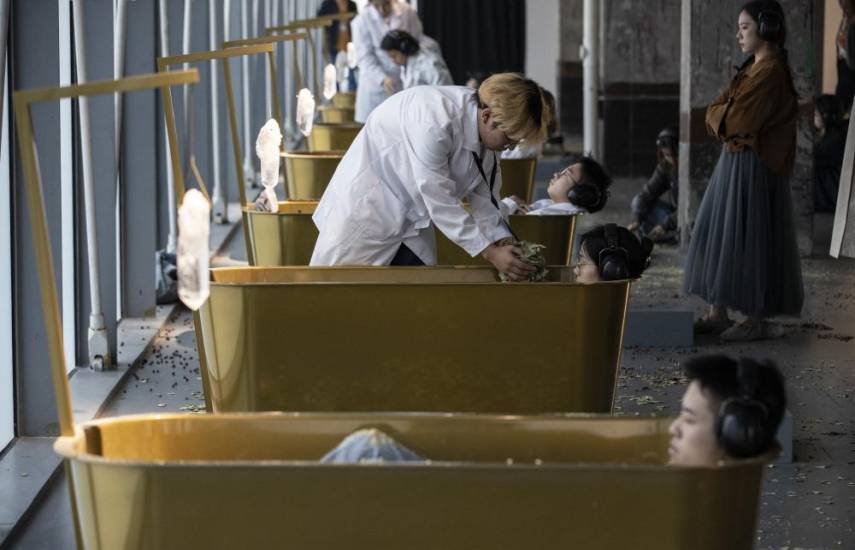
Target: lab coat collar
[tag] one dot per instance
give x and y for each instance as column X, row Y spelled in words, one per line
column 471, row 137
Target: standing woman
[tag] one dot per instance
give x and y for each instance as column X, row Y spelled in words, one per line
column 845, row 89
column 379, row 77
column 743, row 253
column 420, row 66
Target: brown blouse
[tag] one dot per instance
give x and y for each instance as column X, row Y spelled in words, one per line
column 760, row 111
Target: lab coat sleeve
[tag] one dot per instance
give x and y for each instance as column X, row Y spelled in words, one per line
column 509, row 206
column 429, row 150
column 370, row 69
column 490, row 220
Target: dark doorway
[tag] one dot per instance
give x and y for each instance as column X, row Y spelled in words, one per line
column 478, row 37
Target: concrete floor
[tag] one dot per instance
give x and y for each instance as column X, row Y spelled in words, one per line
column 809, row 504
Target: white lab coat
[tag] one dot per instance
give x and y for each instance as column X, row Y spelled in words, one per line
column 408, row 169
column 369, row 28
column 426, row 68
column 543, row 207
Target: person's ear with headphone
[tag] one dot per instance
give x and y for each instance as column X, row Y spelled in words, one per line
column 611, row 252
column 731, row 410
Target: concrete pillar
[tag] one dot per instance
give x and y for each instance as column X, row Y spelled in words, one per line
column 640, row 76
column 708, row 53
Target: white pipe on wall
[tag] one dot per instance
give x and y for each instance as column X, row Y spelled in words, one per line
column 218, row 204
column 119, row 34
column 99, row 351
column 590, row 70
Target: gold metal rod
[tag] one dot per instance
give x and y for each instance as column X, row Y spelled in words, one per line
column 194, row 168
column 44, row 266
column 224, row 53
column 172, row 137
column 274, row 90
column 230, row 101
column 296, row 74
column 103, row 87
column 315, row 65
column 36, row 206
column 271, row 39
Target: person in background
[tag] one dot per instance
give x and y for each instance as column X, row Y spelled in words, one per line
column 379, row 76
column 611, row 252
column 731, row 410
column 528, row 151
column 743, row 254
column 420, row 65
column 655, row 206
column 845, row 39
column 827, row 151
column 338, row 34
column 581, row 187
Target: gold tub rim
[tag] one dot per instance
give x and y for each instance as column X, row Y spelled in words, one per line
column 73, row 447
column 313, row 154
column 230, row 276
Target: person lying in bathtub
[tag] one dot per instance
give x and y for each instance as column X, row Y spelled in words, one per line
column 581, row 187
column 731, row 409
column 611, row 252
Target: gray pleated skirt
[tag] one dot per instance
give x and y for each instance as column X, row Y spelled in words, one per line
column 743, row 253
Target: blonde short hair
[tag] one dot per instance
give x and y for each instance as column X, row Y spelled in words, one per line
column 517, row 105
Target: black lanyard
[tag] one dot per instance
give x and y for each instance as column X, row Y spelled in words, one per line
column 491, row 183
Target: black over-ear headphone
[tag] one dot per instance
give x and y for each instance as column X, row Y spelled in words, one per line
column 769, row 26
column 742, row 420
column 613, row 261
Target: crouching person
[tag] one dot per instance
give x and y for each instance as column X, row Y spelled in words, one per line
column 610, row 253
column 731, row 409
column 581, row 187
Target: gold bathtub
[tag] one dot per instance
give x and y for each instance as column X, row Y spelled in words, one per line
column 330, row 114
column 309, row 172
column 333, row 137
column 555, row 232
column 518, row 177
column 254, row 481
column 430, row 339
column 344, row 100
column 288, row 237
column 284, row 238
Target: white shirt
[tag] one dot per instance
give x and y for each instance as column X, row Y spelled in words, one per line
column 544, row 207
column 409, row 168
column 369, row 28
column 425, row 68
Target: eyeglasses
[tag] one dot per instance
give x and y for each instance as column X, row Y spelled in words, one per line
column 568, row 173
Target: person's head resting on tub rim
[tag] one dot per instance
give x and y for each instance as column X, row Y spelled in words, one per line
column 611, row 252
column 731, row 409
